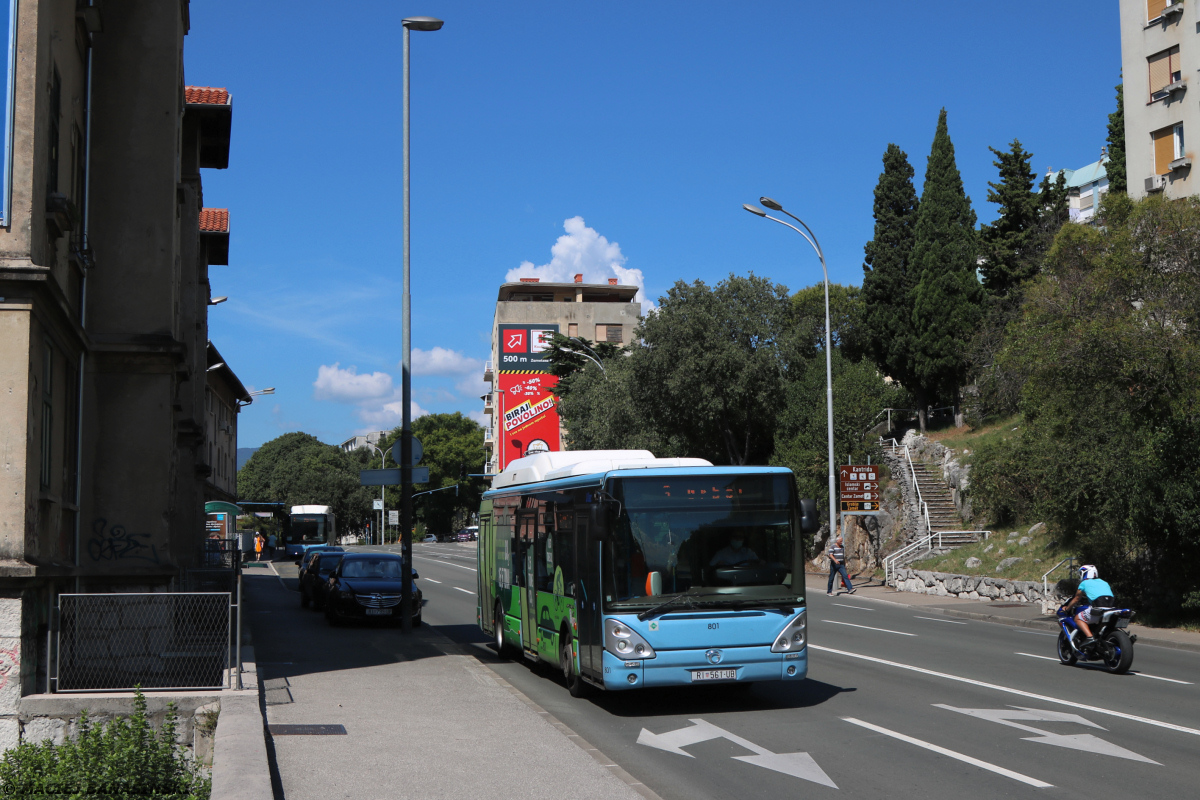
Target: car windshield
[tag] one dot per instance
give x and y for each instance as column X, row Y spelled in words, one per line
column 729, row 538
column 329, row 561
column 372, row 568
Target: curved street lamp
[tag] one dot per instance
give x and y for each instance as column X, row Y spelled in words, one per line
column 811, row 238
column 595, row 360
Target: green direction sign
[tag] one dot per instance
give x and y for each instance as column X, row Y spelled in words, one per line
column 391, row 476
column 417, row 452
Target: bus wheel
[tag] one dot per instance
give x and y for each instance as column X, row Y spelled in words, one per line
column 575, row 684
column 502, row 647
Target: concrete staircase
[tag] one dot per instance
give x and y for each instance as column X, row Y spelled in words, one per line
column 942, row 514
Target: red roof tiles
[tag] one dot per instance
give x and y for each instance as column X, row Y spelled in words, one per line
column 206, row 94
column 214, row 220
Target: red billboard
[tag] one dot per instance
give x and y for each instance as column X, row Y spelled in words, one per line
column 528, row 419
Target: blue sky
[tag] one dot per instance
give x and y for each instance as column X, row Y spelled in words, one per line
column 652, row 122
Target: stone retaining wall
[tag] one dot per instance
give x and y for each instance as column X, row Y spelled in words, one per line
column 973, row 587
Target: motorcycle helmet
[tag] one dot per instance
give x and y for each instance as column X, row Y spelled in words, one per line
column 1087, row 572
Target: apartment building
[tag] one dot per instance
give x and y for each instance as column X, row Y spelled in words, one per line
column 1086, row 186
column 520, row 408
column 105, row 365
column 1160, row 57
column 370, row 439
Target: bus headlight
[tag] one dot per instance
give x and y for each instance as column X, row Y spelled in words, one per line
column 793, row 636
column 621, row 641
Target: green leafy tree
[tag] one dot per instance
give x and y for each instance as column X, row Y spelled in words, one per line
column 887, row 332
column 802, row 435
column 845, row 319
column 1115, row 168
column 711, row 368
column 599, row 412
column 453, row 449
column 298, row 469
column 567, row 356
column 947, row 299
column 1110, row 448
column 1007, row 245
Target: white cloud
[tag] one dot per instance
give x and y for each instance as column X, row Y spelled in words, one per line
column 347, row 386
column 385, row 416
column 583, row 250
column 441, row 361
column 472, row 386
column 483, row 419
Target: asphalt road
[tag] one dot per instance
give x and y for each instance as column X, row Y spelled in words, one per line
column 896, row 704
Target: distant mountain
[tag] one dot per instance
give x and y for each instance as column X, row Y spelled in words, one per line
column 243, row 455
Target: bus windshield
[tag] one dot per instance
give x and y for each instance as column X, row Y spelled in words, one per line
column 722, row 540
column 307, row 529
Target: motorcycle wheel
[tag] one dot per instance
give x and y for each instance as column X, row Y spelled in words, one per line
column 1118, row 655
column 1066, row 653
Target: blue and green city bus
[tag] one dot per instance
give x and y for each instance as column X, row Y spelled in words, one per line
column 626, row 570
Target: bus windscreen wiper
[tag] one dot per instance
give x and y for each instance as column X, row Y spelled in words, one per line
column 645, row 615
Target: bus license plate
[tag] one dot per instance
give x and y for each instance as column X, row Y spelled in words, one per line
column 714, row 675
column 378, row 612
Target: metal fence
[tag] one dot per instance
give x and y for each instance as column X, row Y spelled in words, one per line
column 112, row 642
column 220, row 554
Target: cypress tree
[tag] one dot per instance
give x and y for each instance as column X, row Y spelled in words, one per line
column 1006, row 244
column 947, row 300
column 888, row 280
column 1116, row 146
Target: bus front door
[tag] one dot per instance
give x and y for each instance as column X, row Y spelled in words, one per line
column 527, row 524
column 587, row 602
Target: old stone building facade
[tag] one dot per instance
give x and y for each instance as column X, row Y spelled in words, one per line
column 104, row 292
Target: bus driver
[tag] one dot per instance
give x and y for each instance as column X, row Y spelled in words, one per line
column 736, row 554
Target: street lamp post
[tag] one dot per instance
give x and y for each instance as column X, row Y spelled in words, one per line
column 252, row 395
column 406, row 508
column 383, row 510
column 595, row 360
column 811, row 238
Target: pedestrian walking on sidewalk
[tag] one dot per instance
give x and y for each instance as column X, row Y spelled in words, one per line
column 271, row 547
column 837, row 564
column 259, row 541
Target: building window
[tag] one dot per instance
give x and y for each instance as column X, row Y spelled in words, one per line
column 1164, row 70
column 609, row 333
column 572, row 329
column 47, row 413
column 1168, row 146
column 1154, row 8
column 55, row 113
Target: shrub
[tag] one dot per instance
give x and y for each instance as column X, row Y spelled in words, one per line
column 122, row 759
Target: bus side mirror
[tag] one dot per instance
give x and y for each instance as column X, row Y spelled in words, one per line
column 809, row 522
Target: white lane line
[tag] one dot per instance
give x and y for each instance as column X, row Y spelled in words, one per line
column 935, row 619
column 430, row 580
column 1035, row 633
column 468, row 591
column 1008, row 773
column 1139, row 674
column 277, row 575
column 868, row 627
column 1020, row 692
column 447, row 563
column 860, row 608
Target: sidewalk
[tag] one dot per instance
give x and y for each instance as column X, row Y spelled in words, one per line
column 421, row 719
column 1027, row 615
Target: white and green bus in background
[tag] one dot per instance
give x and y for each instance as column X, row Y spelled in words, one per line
column 625, row 570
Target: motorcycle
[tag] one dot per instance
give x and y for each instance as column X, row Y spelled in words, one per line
column 1111, row 645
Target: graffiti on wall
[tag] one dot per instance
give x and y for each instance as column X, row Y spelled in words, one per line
column 114, row 543
column 10, row 664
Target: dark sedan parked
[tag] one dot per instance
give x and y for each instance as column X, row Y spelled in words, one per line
column 314, row 576
column 367, row 586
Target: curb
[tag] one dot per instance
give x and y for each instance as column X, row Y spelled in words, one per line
column 452, row 648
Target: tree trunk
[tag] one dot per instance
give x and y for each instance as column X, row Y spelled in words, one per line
column 922, row 408
column 958, row 412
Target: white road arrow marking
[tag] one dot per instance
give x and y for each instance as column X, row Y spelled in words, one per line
column 1082, row 741
column 798, row 765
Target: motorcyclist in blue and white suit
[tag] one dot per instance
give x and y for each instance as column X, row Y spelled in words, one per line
column 1093, row 597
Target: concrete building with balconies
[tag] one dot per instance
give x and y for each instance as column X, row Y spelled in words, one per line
column 1160, row 57
column 596, row 312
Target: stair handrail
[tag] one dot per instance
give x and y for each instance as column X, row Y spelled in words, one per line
column 922, row 506
column 890, row 562
column 1045, row 586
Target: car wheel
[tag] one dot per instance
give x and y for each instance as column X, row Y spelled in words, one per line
column 1066, row 653
column 503, row 649
column 566, row 656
